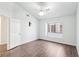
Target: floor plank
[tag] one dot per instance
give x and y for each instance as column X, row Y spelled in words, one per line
column 41, row 48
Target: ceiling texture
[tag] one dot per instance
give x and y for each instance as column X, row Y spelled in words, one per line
column 46, row 10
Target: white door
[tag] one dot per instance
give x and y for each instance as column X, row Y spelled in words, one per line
column 15, row 33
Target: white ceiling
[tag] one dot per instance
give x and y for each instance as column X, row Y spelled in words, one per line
column 56, row 9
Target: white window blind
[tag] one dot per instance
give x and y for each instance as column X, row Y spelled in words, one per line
column 55, row 28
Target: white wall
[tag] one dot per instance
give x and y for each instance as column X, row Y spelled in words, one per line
column 6, row 9
column 13, row 11
column 78, row 28
column 28, row 33
column 69, row 29
column 0, row 31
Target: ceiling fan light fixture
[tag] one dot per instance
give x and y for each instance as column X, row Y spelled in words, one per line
column 41, row 13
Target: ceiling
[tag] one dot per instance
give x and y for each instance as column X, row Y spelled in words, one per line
column 50, row 9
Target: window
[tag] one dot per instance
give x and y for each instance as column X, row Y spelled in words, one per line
column 55, row 28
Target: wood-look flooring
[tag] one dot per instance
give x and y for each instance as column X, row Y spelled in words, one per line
column 42, row 48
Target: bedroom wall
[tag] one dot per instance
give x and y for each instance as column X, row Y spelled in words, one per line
column 14, row 11
column 69, row 29
column 0, row 31
column 28, row 33
column 78, row 28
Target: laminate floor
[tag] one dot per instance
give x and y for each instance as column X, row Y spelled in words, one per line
column 42, row 48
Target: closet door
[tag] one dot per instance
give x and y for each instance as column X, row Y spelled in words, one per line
column 15, row 33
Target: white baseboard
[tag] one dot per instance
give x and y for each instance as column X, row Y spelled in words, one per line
column 22, row 43
column 28, row 41
column 57, row 40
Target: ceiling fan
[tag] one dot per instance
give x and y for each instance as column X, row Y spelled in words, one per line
column 43, row 8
